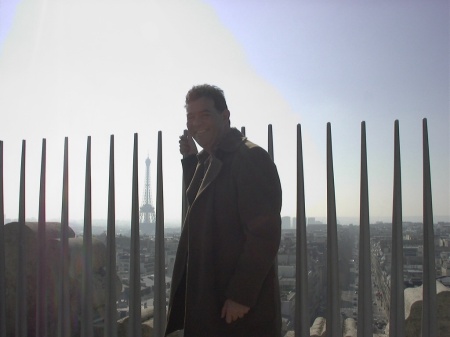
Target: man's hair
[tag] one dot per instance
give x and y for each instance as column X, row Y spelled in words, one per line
column 208, row 91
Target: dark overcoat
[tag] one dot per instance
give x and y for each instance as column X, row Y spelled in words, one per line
column 229, row 243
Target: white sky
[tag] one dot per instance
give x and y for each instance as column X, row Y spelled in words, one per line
column 95, row 68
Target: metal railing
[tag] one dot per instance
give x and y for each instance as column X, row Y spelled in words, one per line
column 302, row 319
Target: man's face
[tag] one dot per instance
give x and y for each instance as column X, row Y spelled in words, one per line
column 205, row 123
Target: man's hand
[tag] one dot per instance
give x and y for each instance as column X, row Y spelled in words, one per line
column 231, row 311
column 187, row 145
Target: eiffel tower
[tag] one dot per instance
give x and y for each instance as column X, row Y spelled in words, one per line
column 147, row 215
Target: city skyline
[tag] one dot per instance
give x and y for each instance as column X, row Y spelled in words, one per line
column 64, row 72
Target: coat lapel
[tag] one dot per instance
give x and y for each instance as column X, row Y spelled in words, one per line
column 196, row 181
column 211, row 173
column 201, row 180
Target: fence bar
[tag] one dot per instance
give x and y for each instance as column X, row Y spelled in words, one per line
column 41, row 298
column 333, row 315
column 2, row 252
column 64, row 299
column 365, row 312
column 21, row 291
column 397, row 305
column 429, row 306
column 159, row 304
column 86, row 294
column 301, row 268
column 270, row 142
column 183, row 192
column 110, row 326
column 135, row 271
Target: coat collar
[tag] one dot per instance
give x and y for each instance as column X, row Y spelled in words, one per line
column 212, row 163
column 229, row 143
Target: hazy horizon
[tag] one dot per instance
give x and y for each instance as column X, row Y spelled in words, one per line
column 171, row 223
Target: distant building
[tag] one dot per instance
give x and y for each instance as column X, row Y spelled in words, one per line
column 445, row 268
column 313, row 221
column 286, row 222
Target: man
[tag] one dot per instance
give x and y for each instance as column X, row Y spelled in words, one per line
column 224, row 280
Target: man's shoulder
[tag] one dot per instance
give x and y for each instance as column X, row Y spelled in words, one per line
column 251, row 155
column 250, row 148
column 235, row 144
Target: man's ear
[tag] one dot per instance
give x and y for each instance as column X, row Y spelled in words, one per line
column 226, row 114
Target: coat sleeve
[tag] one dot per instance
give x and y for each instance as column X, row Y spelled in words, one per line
column 259, row 202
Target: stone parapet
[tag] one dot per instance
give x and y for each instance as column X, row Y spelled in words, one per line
column 413, row 311
column 52, row 272
column 349, row 328
column 319, row 327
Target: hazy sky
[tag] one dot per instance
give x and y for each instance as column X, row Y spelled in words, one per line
column 97, row 68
